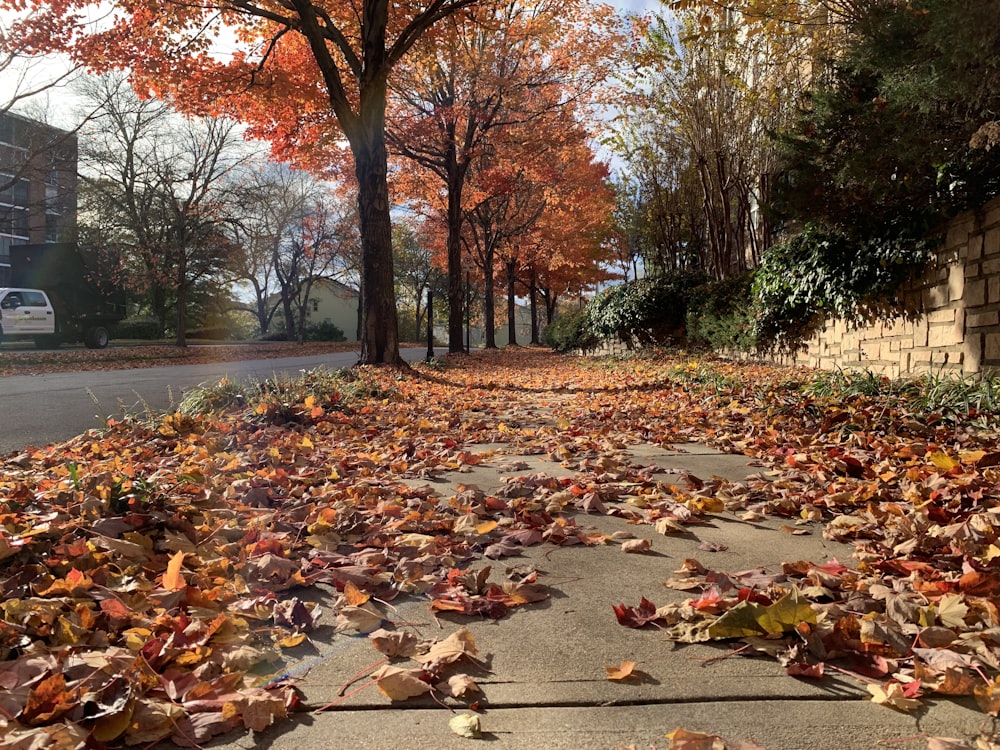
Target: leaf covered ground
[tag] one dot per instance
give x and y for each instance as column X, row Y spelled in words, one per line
column 148, row 571
column 21, row 359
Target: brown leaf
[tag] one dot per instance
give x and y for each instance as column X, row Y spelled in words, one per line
column 622, row 672
column 451, row 649
column 392, row 644
column 399, row 684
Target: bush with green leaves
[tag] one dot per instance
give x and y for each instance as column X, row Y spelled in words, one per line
column 820, row 273
column 720, row 315
column 324, row 331
column 569, row 331
column 146, row 329
column 646, row 312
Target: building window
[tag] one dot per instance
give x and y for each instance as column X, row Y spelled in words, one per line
column 315, row 305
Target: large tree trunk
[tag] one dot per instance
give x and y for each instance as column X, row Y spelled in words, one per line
column 380, row 325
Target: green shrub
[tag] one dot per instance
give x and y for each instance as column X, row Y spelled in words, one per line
column 720, row 314
column 325, row 331
column 644, row 312
column 822, row 273
column 144, row 329
column 569, row 331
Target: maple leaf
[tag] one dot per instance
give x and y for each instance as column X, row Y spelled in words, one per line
column 393, row 644
column 458, row 645
column 399, row 684
column 636, row 617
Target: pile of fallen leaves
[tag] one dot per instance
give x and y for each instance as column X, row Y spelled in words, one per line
column 150, row 571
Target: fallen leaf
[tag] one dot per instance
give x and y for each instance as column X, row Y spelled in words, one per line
column 622, row 672
column 635, row 545
column 399, row 684
column 682, row 739
column 466, row 725
column 173, row 579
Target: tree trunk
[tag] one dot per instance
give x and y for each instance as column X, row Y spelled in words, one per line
column 489, row 303
column 380, row 325
column 511, row 304
column 536, row 338
column 182, row 285
column 456, row 292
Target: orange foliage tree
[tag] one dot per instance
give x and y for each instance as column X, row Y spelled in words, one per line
column 302, row 73
column 487, row 70
column 538, row 198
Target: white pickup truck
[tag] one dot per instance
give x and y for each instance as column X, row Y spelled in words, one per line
column 28, row 314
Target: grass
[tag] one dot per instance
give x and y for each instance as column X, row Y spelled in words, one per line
column 975, row 398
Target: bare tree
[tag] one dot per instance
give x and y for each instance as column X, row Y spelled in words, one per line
column 154, row 183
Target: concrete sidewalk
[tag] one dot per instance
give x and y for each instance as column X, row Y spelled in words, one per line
column 547, row 686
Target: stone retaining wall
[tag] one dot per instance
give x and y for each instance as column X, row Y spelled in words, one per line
column 958, row 330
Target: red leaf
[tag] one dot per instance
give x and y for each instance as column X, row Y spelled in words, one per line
column 636, row 617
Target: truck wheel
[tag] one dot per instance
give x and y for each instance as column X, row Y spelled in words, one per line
column 96, row 337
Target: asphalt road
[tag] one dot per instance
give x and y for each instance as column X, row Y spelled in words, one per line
column 41, row 409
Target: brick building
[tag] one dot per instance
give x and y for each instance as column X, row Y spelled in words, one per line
column 38, row 181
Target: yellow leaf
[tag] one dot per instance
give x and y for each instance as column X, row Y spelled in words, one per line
column 354, row 596
column 485, row 527
column 306, row 442
column 109, row 727
column 135, row 638
column 466, row 725
column 942, row 461
column 951, row 611
column 291, row 641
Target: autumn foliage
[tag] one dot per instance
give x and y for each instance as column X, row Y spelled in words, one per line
column 148, row 568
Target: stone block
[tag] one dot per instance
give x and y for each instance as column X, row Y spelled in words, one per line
column 946, row 315
column 982, row 319
column 972, row 270
column 975, row 246
column 935, row 297
column 991, row 214
column 940, row 336
column 975, row 292
column 958, row 232
column 991, row 242
column 973, row 351
column 992, row 352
